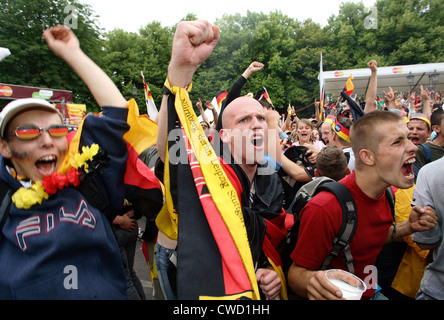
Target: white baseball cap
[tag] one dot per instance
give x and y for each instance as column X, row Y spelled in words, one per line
column 19, row 105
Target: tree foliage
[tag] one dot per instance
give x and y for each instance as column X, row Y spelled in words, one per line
column 31, row 63
column 401, row 32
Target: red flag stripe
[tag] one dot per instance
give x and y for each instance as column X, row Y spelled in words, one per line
column 137, row 173
column 235, row 276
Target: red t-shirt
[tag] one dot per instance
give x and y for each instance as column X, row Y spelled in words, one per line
column 321, row 221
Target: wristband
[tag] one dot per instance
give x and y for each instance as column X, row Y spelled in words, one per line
column 166, row 91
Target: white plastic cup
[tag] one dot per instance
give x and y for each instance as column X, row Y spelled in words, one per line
column 350, row 285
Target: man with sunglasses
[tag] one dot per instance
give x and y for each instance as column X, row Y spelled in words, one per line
column 28, row 124
column 61, row 246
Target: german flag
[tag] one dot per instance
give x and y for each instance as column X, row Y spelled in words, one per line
column 322, row 91
column 349, row 86
column 220, row 97
column 355, row 109
column 142, row 188
column 272, row 240
column 263, row 94
column 150, row 105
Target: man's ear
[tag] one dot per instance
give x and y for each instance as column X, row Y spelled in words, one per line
column 367, row 156
column 224, row 135
column 5, row 151
column 436, row 128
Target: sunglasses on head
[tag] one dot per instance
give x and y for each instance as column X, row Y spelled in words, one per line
column 30, row 132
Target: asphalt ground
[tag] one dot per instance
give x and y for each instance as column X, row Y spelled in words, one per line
column 142, row 269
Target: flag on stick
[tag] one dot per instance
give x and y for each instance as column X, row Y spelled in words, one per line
column 355, row 109
column 150, row 105
column 263, row 94
column 220, row 97
column 322, row 90
column 349, row 87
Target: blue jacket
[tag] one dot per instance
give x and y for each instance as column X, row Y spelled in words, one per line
column 65, row 248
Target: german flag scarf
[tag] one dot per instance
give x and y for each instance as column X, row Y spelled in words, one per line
column 214, row 256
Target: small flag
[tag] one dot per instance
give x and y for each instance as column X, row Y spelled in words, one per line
column 355, row 109
column 220, row 97
column 349, row 87
column 322, row 90
column 150, row 105
column 263, row 94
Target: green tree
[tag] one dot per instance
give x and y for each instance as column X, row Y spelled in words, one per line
column 31, row 63
column 406, row 32
column 410, row 30
column 127, row 54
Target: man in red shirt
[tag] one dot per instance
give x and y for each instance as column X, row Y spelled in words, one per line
column 384, row 157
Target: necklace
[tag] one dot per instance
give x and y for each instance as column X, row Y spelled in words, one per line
column 72, row 174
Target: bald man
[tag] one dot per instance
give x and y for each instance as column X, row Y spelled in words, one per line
column 244, row 132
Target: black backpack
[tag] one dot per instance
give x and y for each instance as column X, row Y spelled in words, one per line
column 346, row 232
column 296, row 154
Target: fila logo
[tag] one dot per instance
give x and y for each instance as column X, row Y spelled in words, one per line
column 33, row 226
column 27, row 228
column 82, row 216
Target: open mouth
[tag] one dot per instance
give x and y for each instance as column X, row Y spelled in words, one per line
column 46, row 165
column 257, row 141
column 414, row 140
column 407, row 169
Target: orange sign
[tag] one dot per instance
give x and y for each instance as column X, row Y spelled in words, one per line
column 5, row 91
column 397, row 70
column 339, row 74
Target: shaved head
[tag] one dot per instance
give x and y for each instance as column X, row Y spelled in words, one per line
column 244, row 130
column 233, row 108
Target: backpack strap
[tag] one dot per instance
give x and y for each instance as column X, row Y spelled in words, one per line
column 428, row 152
column 306, row 192
column 5, row 195
column 391, row 199
column 349, row 224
